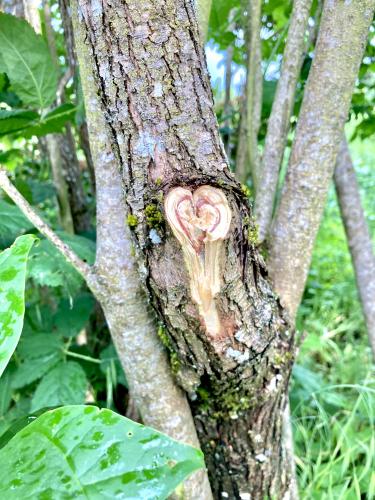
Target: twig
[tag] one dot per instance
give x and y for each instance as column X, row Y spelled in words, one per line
column 82, row 267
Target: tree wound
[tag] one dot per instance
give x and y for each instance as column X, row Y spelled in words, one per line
column 201, row 221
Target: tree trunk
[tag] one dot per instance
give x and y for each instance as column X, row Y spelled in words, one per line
column 320, row 126
column 56, row 162
column 161, row 403
column 73, row 178
column 230, row 347
column 72, row 63
column 65, row 149
column 227, row 99
column 279, row 120
column 358, row 236
column 248, row 155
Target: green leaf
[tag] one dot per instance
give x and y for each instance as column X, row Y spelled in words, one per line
column 11, row 158
column 82, row 452
column 12, row 223
column 5, row 393
column 26, row 60
column 70, row 317
column 38, row 344
column 28, row 123
column 53, row 121
column 15, row 120
column 65, row 384
column 3, row 81
column 18, row 410
column 12, row 295
column 17, row 424
column 49, row 268
column 32, row 369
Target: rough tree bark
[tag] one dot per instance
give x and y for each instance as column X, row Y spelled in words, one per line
column 358, row 236
column 230, row 346
column 320, row 126
column 64, row 151
column 159, row 400
column 279, row 120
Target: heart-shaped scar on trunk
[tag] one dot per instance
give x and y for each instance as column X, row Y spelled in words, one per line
column 200, row 221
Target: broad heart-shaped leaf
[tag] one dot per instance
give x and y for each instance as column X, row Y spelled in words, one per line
column 82, row 452
column 64, row 384
column 26, row 60
column 12, row 295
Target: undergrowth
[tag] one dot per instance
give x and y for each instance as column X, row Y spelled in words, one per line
column 333, row 388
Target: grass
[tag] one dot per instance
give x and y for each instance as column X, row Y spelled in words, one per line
column 333, row 388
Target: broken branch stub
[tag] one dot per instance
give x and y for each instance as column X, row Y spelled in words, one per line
column 201, row 221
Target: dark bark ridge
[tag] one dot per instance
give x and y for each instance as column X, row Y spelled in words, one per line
column 159, row 110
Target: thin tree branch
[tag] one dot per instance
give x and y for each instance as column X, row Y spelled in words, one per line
column 358, row 235
column 279, row 121
column 82, row 267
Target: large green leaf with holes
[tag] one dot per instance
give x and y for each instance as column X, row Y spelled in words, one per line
column 12, row 295
column 82, row 452
column 26, row 60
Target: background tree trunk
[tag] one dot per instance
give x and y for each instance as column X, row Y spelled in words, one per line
column 248, row 155
column 64, row 151
column 56, row 162
column 279, row 120
column 72, row 63
column 358, row 236
column 227, row 99
column 320, row 126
